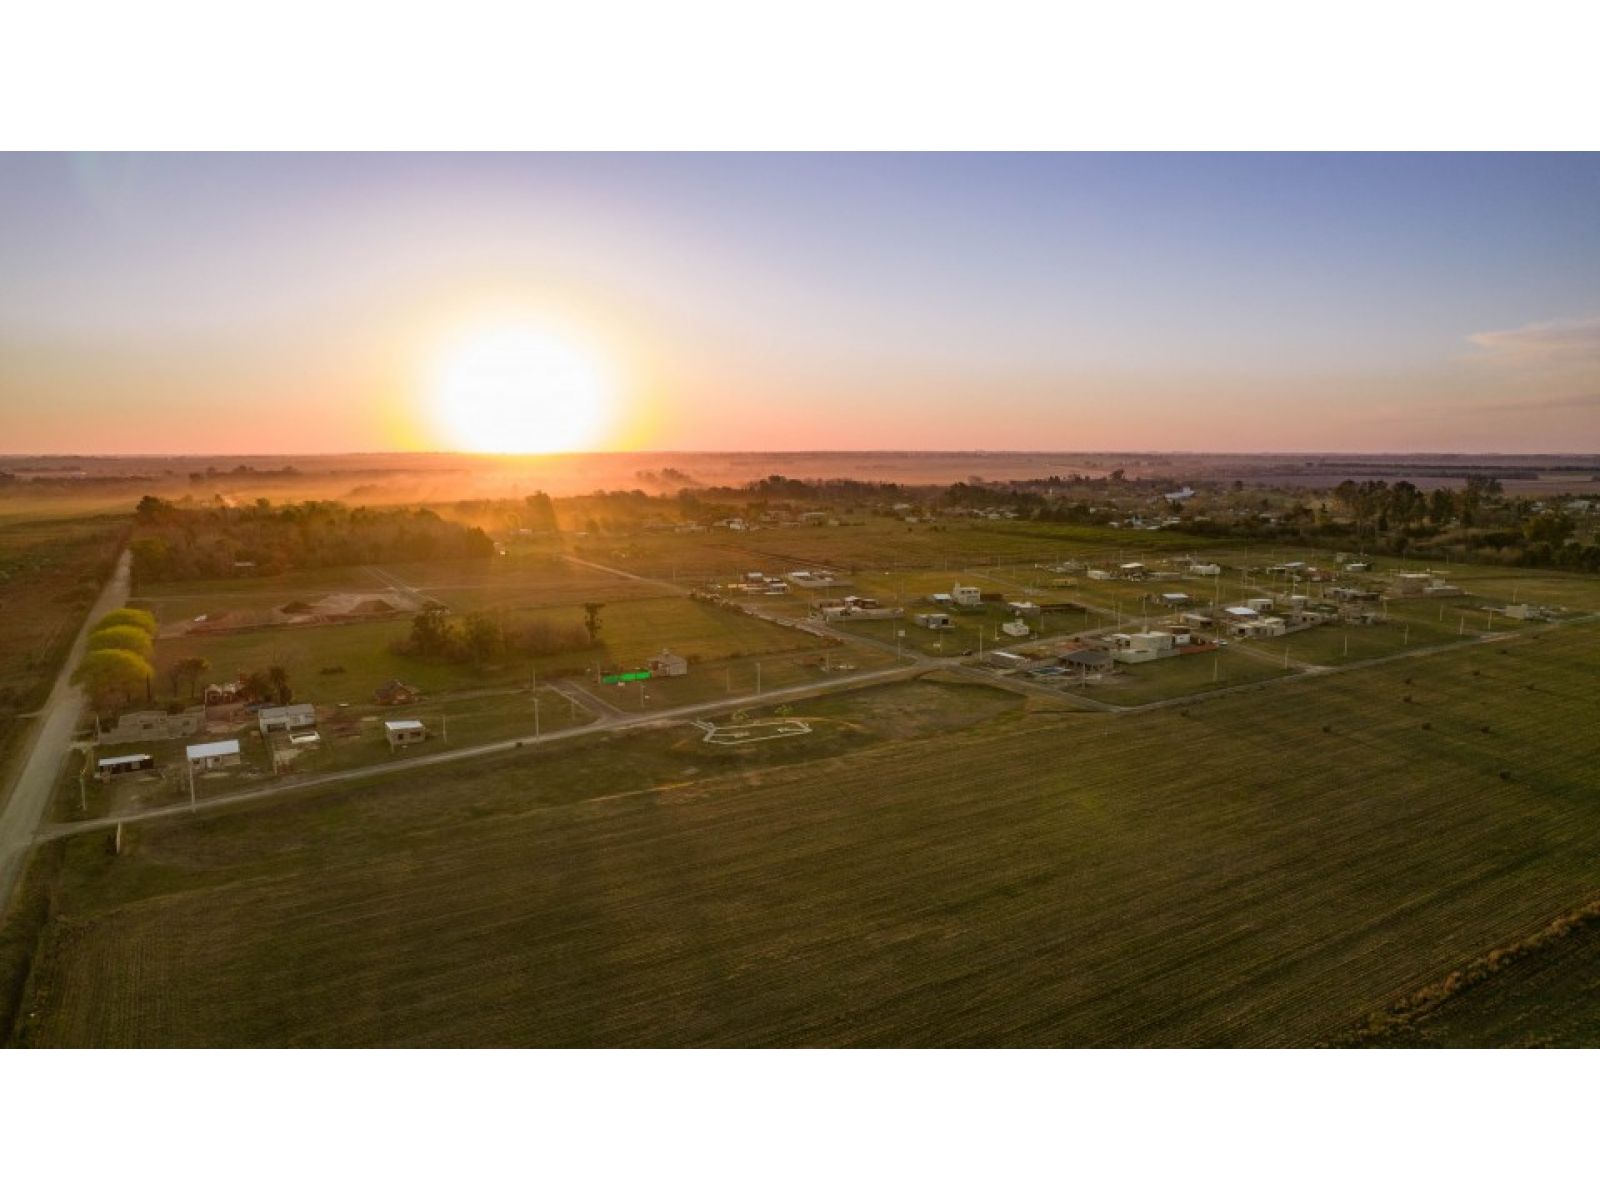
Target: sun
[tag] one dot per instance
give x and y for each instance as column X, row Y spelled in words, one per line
column 520, row 389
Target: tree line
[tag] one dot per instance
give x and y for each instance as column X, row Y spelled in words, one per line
column 173, row 542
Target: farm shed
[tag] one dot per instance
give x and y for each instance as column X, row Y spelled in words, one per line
column 209, row 756
column 286, row 718
column 123, row 764
column 396, row 692
column 934, row 620
column 668, row 664
column 404, row 732
column 1004, row 658
column 1174, row 599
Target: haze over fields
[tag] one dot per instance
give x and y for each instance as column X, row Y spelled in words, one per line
column 1237, row 303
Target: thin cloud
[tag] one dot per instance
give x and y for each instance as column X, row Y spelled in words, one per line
column 1590, row 400
column 1576, row 339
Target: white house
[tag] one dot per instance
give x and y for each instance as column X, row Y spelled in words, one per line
column 286, row 718
column 209, row 756
column 966, row 596
column 1141, row 647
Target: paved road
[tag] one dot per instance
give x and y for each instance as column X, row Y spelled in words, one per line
column 55, row 723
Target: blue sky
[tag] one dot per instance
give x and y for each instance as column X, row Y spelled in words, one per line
column 1207, row 302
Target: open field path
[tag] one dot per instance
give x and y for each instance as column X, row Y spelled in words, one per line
column 24, row 800
column 394, row 583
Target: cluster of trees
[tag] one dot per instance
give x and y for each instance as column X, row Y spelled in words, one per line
column 485, row 637
column 117, row 666
column 536, row 513
column 173, row 542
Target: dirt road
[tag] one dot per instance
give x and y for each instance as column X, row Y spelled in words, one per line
column 24, row 806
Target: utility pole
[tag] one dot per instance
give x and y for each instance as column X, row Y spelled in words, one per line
column 191, row 785
column 536, row 718
column 758, row 679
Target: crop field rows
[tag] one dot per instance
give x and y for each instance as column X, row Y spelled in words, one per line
column 1262, row 870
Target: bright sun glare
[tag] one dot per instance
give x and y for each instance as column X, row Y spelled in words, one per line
column 520, row 390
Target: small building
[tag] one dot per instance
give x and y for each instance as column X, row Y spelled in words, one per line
column 1024, row 608
column 1087, row 661
column 1241, row 612
column 286, row 718
column 934, row 620
column 1204, row 569
column 1132, row 569
column 1260, row 627
column 1174, row 599
column 1004, row 658
column 1260, row 603
column 123, row 764
column 1097, row 573
column 941, row 598
column 668, row 664
column 1199, row 620
column 212, row 756
column 404, row 732
column 1441, row 590
column 966, row 596
column 396, row 692
column 1411, row 583
column 1015, row 629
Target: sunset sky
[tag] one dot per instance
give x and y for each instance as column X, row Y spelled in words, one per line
column 333, row 303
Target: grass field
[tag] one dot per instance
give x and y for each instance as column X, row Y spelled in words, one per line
column 1265, row 869
column 632, row 631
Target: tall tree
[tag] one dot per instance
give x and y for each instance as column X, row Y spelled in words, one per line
column 112, row 677
column 591, row 619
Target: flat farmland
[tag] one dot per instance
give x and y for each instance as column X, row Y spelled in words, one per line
column 1265, row 870
column 53, row 562
column 1185, row 675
